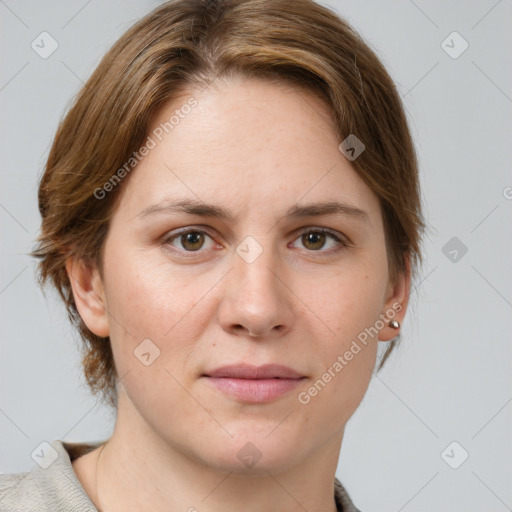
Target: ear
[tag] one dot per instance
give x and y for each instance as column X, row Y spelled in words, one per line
column 89, row 295
column 397, row 299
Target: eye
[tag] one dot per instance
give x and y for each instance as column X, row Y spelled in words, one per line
column 192, row 240
column 315, row 240
column 197, row 240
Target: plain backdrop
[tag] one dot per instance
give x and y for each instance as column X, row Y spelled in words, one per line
column 450, row 382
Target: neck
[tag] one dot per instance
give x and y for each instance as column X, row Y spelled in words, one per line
column 139, row 471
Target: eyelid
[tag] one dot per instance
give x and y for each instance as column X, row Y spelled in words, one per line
column 170, row 236
column 194, row 228
column 341, row 239
column 340, row 236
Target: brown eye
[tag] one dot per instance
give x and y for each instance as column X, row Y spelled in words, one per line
column 313, row 240
column 192, row 241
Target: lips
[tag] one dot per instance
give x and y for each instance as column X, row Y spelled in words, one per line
column 254, row 384
column 245, row 371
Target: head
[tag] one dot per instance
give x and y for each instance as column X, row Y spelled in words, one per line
column 227, row 105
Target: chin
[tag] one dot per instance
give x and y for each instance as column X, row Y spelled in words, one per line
column 251, row 453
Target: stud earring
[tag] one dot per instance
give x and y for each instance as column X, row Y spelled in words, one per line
column 395, row 324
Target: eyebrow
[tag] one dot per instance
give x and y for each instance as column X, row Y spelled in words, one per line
column 202, row 209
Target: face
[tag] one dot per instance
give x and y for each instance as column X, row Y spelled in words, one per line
column 274, row 280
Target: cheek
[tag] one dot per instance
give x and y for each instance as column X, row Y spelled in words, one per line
column 337, row 392
column 343, row 371
column 342, row 305
column 342, row 311
column 140, row 296
column 147, row 300
column 154, row 329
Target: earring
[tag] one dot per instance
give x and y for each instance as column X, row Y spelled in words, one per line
column 395, row 324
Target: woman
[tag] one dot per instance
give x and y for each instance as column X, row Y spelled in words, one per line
column 231, row 213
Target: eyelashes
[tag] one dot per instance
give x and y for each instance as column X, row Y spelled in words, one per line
column 324, row 233
column 184, row 235
column 194, row 241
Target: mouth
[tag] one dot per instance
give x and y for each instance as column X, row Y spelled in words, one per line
column 254, row 384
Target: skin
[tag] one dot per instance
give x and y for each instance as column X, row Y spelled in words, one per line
column 255, row 148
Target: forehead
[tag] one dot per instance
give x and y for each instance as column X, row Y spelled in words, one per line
column 248, row 144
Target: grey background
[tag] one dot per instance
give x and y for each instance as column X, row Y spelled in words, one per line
column 450, row 381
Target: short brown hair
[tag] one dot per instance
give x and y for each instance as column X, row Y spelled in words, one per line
column 186, row 43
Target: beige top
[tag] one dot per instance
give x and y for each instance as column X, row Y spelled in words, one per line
column 54, row 487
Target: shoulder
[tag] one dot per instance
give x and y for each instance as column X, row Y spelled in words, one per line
column 20, row 492
column 51, row 486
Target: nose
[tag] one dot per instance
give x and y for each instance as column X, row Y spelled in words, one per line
column 257, row 301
